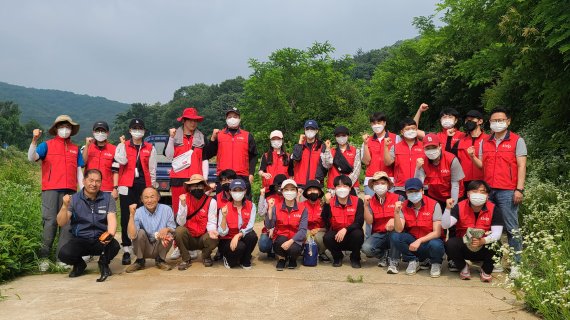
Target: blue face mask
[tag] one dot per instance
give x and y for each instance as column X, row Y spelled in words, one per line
column 415, row 197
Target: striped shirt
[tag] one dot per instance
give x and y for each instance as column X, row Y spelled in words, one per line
column 153, row 222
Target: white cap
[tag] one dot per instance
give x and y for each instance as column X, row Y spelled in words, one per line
column 276, row 133
column 288, row 182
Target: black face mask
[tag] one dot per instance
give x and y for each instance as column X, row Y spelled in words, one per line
column 226, row 187
column 470, row 126
column 313, row 196
column 197, row 193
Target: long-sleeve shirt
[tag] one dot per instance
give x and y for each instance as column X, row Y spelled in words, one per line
column 301, row 233
column 245, row 230
column 212, row 210
column 211, row 149
column 327, row 160
column 358, row 218
column 450, row 218
column 121, row 158
column 152, row 222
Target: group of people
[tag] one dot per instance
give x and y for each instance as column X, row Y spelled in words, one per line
column 426, row 195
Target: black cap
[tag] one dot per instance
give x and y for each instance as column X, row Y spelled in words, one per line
column 474, row 114
column 234, row 109
column 101, row 125
column 136, row 122
column 313, row 184
column 341, row 130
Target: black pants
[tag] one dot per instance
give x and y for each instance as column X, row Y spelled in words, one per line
column 352, row 241
column 293, row 252
column 72, row 252
column 243, row 251
column 458, row 252
column 134, row 196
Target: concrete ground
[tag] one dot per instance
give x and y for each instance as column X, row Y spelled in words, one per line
column 262, row 292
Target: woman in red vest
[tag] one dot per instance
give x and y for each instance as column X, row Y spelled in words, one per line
column 316, row 226
column 265, row 239
column 343, row 214
column 288, row 219
column 275, row 161
column 235, row 227
column 474, row 212
column 306, row 156
column 345, row 159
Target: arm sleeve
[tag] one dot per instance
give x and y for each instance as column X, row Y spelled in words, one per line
column 181, row 214
column 297, row 152
column 38, row 152
column 205, row 169
column 355, row 174
column 212, row 210
column 252, row 152
column 221, row 231
column 393, row 152
column 437, row 213
column 326, row 158
column 262, row 206
column 152, row 166
column 455, row 149
column 420, row 174
column 358, row 218
column 520, row 149
column 80, row 162
column 80, row 177
column 270, row 223
column 448, row 143
column 121, row 154
column 457, row 173
column 301, row 234
column 169, row 151
column 263, row 165
column 210, row 149
column 495, row 235
column 447, row 220
column 170, row 224
column 251, row 221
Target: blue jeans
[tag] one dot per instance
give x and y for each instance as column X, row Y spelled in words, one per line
column 504, row 199
column 432, row 249
column 265, row 243
column 377, row 244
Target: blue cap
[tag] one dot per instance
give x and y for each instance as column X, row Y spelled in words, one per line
column 414, row 184
column 237, row 183
column 311, row 124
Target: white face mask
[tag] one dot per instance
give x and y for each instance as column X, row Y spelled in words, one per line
column 341, row 140
column 377, row 128
column 410, row 134
column 233, row 122
column 137, row 133
column 477, row 199
column 276, row 144
column 100, row 136
column 415, row 197
column 432, row 154
column 310, row 133
column 380, row 189
column 447, row 123
column 342, row 192
column 498, row 127
column 289, row 195
column 64, row 133
column 237, row 195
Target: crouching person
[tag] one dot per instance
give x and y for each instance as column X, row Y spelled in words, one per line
column 150, row 228
column 474, row 212
column 93, row 225
column 316, row 227
column 417, row 236
column 197, row 222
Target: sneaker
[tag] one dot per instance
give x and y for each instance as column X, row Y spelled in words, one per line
column 498, row 268
column 280, row 265
column 226, row 264
column 87, row 258
column 413, row 267
column 451, row 266
column 193, row 254
column 393, row 267
column 184, row 265
column 43, row 265
column 208, row 262
column 292, row 263
column 486, row 277
column 135, row 266
column 355, row 264
column 162, row 265
column 63, row 265
column 515, row 274
column 426, row 264
column 465, row 274
column 78, row 269
column 435, row 271
column 175, row 254
column 126, row 259
column 383, row 262
column 246, row 265
column 337, row 262
column 324, row 258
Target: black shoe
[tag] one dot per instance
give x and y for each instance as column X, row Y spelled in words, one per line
column 324, row 258
column 78, row 269
column 280, row 265
column 271, row 255
column 337, row 262
column 105, row 271
column 292, row 263
column 208, row 262
column 355, row 264
column 218, row 255
column 126, row 259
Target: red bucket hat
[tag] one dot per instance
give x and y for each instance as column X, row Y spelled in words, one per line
column 190, row 113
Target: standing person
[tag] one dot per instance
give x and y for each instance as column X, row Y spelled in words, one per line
column 345, row 159
column 265, row 243
column 474, row 212
column 137, row 171
column 61, row 173
column 448, row 118
column 343, row 214
column 234, row 149
column 99, row 154
column 503, row 161
column 92, row 231
column 235, row 227
column 289, row 220
column 275, row 161
column 197, row 222
column 315, row 223
column 306, row 156
column 418, row 235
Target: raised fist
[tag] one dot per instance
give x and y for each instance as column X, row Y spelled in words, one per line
column 471, row 151
column 36, row 134
column 225, row 210
column 398, row 206
column 367, row 198
column 171, row 132
column 133, row 208
column 449, row 203
column 66, row 200
column 328, row 144
column 271, row 203
column 301, row 139
column 450, row 132
column 89, row 140
column 122, row 139
column 183, row 200
column 365, row 137
column 328, row 197
column 424, row 107
column 215, row 134
column 262, row 191
column 419, row 162
column 387, row 142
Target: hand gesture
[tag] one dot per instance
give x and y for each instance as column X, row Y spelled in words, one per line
column 328, row 197
column 301, row 139
column 270, row 204
column 36, row 133
column 66, row 200
column 328, row 144
column 471, row 151
column 225, row 210
column 367, row 199
column 171, row 132
column 414, row 246
column 423, row 107
column 397, row 206
column 365, row 138
column 449, row 203
column 88, row 141
column 215, row 134
column 182, row 200
column 419, row 163
column 133, row 208
column 387, row 142
column 122, row 139
column 262, row 191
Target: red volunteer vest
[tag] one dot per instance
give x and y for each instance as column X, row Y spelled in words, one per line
column 422, row 224
column 196, row 164
column 405, row 161
column 306, row 169
column 500, row 162
column 127, row 172
column 232, row 218
column 376, row 149
column 197, row 224
column 233, row 152
column 471, row 171
column 102, row 160
column 220, row 200
column 314, row 218
column 382, row 213
column 467, row 218
column 438, row 178
column 287, row 223
column 275, row 168
column 442, row 135
column 343, row 216
column 59, row 167
column 350, row 155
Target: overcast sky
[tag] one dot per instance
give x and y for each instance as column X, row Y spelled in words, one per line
column 142, row 50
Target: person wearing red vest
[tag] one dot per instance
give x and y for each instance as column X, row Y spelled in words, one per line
column 306, row 156
column 345, row 159
column 418, row 235
column 503, row 159
column 137, row 171
column 223, row 197
column 315, row 224
column 186, row 145
column 235, row 227
column 442, row 173
column 98, row 153
column 275, row 161
column 343, row 215
column 288, row 219
column 474, row 212
column 61, row 174
column 265, row 243
column 404, row 154
column 467, row 146
column 234, row 148
column 196, row 218
column 448, row 118
column 379, row 213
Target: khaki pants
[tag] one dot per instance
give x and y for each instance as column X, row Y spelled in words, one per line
column 143, row 249
column 186, row 242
